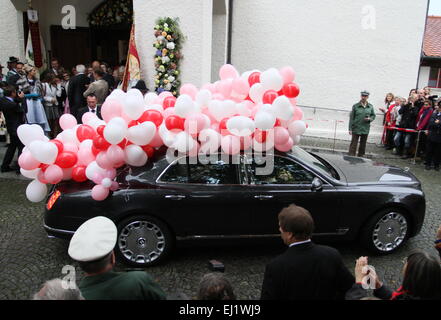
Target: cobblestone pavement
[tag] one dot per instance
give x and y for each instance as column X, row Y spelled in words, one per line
column 28, row 257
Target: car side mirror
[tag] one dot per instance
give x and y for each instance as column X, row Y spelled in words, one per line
column 317, row 185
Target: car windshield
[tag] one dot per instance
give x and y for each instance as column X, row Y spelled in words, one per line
column 314, row 162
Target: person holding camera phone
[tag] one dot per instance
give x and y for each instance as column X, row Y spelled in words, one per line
column 360, row 119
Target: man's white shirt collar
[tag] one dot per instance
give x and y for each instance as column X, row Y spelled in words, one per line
column 299, row 243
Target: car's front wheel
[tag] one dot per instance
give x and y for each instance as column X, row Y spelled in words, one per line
column 143, row 241
column 386, row 231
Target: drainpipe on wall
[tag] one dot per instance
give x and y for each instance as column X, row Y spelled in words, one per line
column 230, row 30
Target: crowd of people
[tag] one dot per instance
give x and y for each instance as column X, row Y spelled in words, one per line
column 26, row 97
column 306, row 271
column 412, row 126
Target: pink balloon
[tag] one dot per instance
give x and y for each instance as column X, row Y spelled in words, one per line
column 158, row 100
column 103, row 161
column 67, row 174
column 195, row 123
column 285, row 147
column 98, row 178
column 218, row 96
column 115, row 186
column 157, row 140
column 209, row 86
column 298, row 114
column 111, row 109
column 165, row 94
column 281, row 136
column 230, row 144
column 126, row 118
column 67, row 121
column 241, row 87
column 189, row 89
column 70, row 147
column 288, row 74
column 225, row 87
column 27, row 162
column 53, row 174
column 88, row 116
column 111, row 174
column 227, row 71
column 115, row 155
column 85, row 156
column 100, row 193
column 168, row 112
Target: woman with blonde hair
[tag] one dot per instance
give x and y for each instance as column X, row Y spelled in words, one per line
column 33, row 91
column 388, row 135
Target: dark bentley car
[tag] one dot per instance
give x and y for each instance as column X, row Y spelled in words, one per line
column 240, row 197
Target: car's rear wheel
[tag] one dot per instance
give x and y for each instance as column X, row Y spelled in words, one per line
column 386, row 232
column 143, row 241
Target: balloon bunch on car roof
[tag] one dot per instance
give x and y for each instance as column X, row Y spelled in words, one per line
column 253, row 111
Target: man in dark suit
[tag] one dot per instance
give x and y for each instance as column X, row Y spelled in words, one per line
column 77, row 87
column 92, row 106
column 306, row 271
column 14, row 112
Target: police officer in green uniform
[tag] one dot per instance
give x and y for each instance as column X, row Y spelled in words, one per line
column 360, row 119
column 92, row 246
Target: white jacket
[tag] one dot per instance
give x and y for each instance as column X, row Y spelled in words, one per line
column 51, row 92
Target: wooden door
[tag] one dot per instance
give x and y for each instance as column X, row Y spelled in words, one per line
column 71, row 46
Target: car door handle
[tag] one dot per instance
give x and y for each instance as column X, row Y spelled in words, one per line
column 263, row 197
column 175, row 197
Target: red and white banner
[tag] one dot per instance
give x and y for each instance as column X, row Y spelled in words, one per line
column 132, row 72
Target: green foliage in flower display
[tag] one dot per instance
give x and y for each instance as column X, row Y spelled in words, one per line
column 112, row 12
column 168, row 55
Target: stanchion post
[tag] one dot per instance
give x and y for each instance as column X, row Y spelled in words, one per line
column 416, row 150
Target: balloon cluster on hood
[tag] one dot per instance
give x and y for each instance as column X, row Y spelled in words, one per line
column 255, row 110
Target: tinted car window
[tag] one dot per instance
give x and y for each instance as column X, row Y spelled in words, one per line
column 285, row 172
column 218, row 172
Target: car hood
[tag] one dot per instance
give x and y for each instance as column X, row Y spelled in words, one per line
column 362, row 171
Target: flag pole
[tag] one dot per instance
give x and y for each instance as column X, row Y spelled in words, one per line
column 126, row 70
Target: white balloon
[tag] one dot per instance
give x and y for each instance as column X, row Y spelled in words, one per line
column 119, row 121
column 149, row 98
column 210, row 141
column 216, row 110
column 106, row 183
column 256, row 92
column 241, row 126
column 271, row 80
column 29, row 133
column 117, row 95
column 36, row 191
column 185, row 106
column 296, row 140
column 243, row 110
column 203, row 97
column 134, row 105
column 283, row 108
column 96, row 123
column 297, row 128
column 156, row 107
column 183, row 142
column 44, row 152
column 142, row 134
column 135, row 93
column 30, row 174
column 135, row 156
column 114, row 133
column 92, row 169
column 69, row 136
column 264, row 120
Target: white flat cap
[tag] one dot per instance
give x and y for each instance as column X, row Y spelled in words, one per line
column 93, row 240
